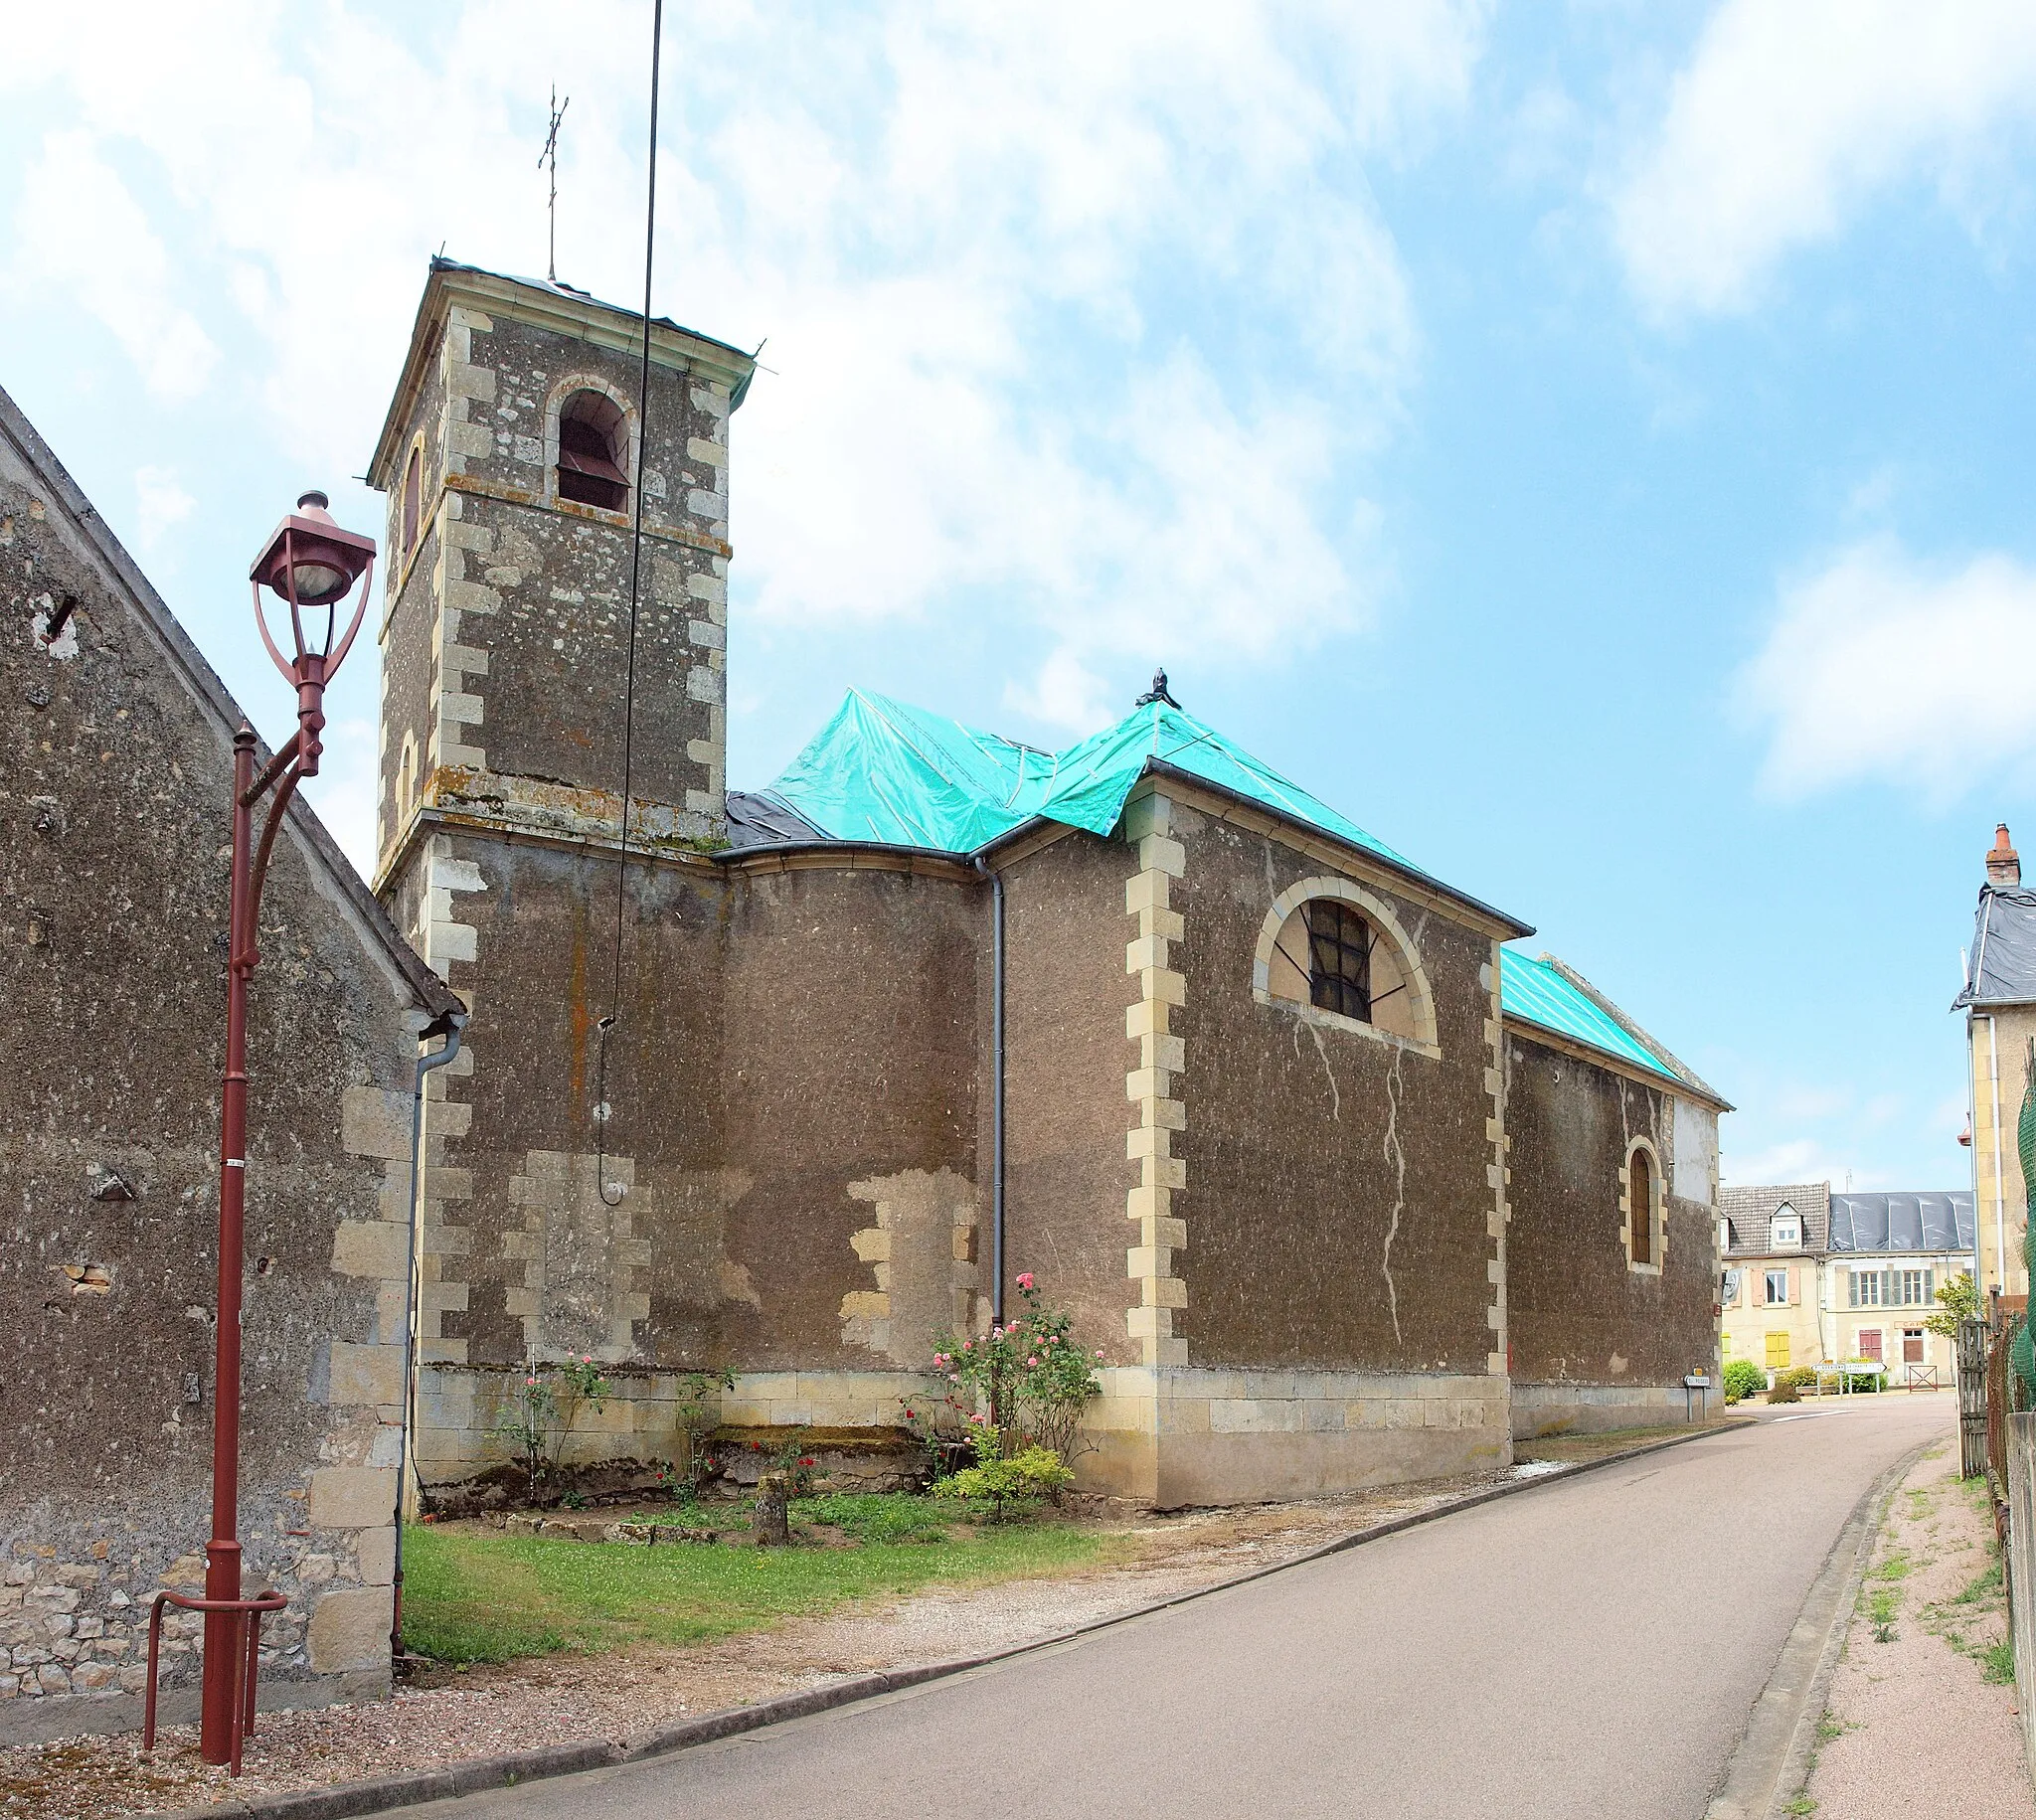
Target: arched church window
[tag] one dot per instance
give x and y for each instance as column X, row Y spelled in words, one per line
column 1643, row 1209
column 1641, row 1169
column 1329, row 954
column 592, row 448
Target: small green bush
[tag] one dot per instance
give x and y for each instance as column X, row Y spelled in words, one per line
column 1784, row 1392
column 1004, row 1487
column 1742, row 1379
column 1803, row 1378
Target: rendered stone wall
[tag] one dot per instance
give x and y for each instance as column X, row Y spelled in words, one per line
column 1344, row 1205
column 1067, row 1172
column 114, row 785
column 1582, row 1315
column 792, row 1143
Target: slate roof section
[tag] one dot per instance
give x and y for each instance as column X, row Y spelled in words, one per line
column 1903, row 1221
column 1747, row 1212
column 2002, row 967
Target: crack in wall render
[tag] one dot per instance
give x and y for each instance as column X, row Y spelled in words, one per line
column 1395, row 1155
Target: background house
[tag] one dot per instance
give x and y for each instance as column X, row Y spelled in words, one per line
column 1813, row 1277
column 1999, row 1003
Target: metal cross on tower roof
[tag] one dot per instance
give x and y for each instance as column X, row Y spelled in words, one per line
column 550, row 155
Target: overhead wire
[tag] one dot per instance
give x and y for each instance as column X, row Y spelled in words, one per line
column 606, row 1026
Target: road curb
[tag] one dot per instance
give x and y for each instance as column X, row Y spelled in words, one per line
column 1772, row 1762
column 345, row 1800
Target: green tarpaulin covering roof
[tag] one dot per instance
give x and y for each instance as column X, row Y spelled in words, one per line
column 1534, row 992
column 892, row 774
column 885, row 771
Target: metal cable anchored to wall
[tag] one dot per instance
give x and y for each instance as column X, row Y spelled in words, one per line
column 612, row 1192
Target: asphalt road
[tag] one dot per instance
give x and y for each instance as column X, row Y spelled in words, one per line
column 1590, row 1647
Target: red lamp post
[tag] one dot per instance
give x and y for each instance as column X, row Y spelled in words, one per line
column 312, row 564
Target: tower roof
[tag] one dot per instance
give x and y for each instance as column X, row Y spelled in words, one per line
column 558, row 307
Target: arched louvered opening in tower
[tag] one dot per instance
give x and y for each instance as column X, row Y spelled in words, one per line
column 592, row 448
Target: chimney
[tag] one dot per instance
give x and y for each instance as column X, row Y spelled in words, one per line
column 2004, row 863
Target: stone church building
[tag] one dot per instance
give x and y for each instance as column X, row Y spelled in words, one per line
column 1344, row 1186
column 1228, row 1074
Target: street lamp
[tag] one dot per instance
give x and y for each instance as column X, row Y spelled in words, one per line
column 310, row 564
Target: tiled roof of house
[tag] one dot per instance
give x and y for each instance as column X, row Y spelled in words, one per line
column 1749, row 1212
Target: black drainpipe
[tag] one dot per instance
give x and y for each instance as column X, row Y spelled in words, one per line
column 996, row 880
column 454, row 1023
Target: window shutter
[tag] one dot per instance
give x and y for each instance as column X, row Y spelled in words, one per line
column 1793, row 1297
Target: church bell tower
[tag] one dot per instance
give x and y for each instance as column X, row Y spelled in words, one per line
column 512, row 459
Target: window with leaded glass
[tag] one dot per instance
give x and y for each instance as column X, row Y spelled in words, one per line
column 1339, row 959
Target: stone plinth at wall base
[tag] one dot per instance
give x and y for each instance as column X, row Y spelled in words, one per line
column 1541, row 1410
column 1175, row 1435
column 460, row 1407
column 33, row 1722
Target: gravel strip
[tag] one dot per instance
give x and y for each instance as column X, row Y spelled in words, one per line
column 1913, row 1726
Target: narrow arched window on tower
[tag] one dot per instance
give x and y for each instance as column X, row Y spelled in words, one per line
column 412, row 498
column 591, row 452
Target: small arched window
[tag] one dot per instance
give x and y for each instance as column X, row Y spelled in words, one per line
column 1641, row 1204
column 1643, row 1186
column 591, row 452
column 1332, row 955
column 406, row 779
column 412, row 497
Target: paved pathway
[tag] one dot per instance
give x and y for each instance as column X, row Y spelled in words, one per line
column 1590, row 1647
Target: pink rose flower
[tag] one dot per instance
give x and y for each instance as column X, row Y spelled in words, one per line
column 1025, row 1279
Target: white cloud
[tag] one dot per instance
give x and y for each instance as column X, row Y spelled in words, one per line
column 78, row 226
column 160, row 502
column 1065, row 693
column 1798, row 1160
column 1789, row 118
column 976, row 236
column 1883, row 667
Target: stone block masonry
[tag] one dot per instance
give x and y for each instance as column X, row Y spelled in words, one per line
column 1156, row 1112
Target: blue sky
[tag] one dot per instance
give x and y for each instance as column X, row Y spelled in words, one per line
column 1589, row 444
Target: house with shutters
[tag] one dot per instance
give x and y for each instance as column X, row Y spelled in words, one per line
column 1813, row 1277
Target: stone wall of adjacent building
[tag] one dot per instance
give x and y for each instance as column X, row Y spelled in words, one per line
column 115, row 779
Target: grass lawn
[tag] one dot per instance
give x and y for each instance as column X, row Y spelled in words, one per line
column 484, row 1598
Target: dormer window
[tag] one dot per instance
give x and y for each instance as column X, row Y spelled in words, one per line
column 591, row 452
column 1785, row 1229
